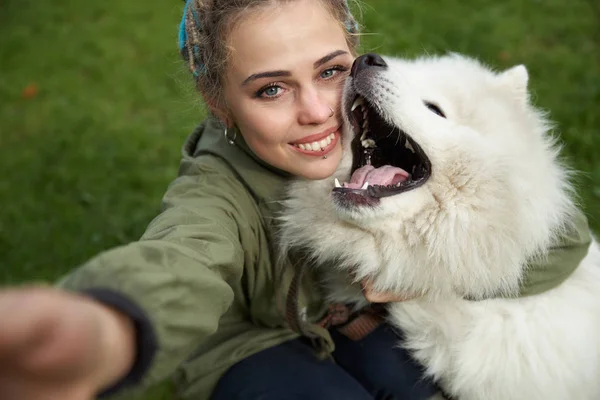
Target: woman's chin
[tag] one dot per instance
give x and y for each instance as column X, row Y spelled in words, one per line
column 319, row 167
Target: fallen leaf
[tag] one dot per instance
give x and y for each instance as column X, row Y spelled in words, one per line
column 504, row 56
column 30, row 91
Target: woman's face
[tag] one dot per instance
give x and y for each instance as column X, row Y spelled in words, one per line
column 285, row 76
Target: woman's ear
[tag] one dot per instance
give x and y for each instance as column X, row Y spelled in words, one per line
column 221, row 112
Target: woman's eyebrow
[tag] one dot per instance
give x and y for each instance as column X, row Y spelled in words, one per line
column 329, row 57
column 268, row 74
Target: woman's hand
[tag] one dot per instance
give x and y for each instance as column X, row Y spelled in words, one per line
column 57, row 345
column 378, row 297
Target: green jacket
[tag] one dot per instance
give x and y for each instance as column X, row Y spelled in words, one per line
column 204, row 270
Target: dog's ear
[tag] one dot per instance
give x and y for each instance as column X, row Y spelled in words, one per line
column 515, row 79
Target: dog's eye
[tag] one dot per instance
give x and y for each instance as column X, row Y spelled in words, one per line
column 434, row 108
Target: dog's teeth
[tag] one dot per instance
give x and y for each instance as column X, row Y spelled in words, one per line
column 409, row 146
column 368, row 152
column 357, row 102
column 365, row 186
column 368, row 143
column 337, row 183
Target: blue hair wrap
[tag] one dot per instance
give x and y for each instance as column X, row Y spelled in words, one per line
column 198, row 67
column 182, row 32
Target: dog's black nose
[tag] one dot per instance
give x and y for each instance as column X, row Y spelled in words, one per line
column 366, row 61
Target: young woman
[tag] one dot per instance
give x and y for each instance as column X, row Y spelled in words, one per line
column 198, row 294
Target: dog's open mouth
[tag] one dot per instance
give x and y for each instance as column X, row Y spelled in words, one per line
column 386, row 160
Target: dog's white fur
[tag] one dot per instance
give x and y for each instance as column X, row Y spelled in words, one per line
column 497, row 198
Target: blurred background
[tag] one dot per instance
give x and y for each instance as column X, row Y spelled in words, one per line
column 95, row 104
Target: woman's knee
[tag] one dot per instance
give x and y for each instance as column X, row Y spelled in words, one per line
column 288, row 371
column 380, row 365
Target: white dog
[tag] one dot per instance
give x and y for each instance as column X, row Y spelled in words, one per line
column 450, row 190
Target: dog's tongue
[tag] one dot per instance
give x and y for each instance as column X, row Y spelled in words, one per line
column 385, row 175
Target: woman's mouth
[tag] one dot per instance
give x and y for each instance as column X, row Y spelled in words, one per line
column 317, row 146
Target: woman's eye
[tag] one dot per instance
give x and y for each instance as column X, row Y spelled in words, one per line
column 269, row 91
column 328, row 73
column 333, row 71
column 434, row 108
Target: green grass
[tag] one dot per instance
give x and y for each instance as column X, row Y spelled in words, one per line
column 87, row 158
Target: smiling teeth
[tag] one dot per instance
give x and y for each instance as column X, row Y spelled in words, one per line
column 365, row 186
column 337, row 183
column 316, row 146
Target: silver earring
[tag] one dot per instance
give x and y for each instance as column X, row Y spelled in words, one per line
column 230, row 140
column 332, row 112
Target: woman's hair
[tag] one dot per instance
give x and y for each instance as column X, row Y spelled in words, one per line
column 204, row 31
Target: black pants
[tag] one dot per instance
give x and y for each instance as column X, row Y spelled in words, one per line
column 371, row 368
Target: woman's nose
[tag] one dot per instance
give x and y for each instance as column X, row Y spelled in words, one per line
column 315, row 108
